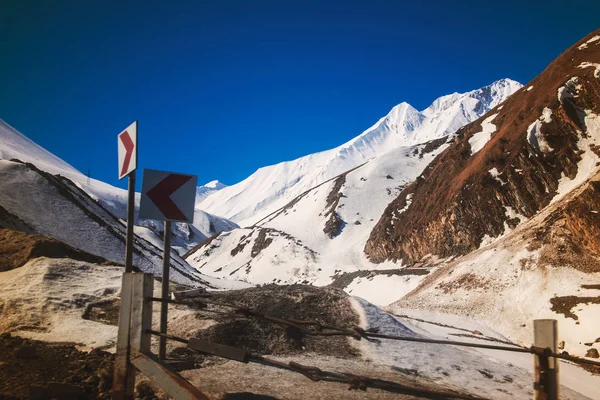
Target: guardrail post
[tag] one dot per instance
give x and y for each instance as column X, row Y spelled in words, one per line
column 124, row 373
column 141, row 315
column 545, row 340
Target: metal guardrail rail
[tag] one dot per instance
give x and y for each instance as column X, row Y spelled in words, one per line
column 133, row 348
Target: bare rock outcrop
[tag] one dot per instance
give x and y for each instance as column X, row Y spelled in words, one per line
column 480, row 187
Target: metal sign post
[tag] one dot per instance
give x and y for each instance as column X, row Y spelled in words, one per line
column 167, row 197
column 127, row 144
column 164, row 306
column 130, row 219
column 124, row 374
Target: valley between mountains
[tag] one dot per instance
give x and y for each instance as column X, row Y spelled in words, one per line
column 463, row 221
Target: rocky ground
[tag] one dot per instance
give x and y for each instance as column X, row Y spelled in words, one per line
column 31, row 369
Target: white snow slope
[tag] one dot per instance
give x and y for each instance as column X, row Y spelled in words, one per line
column 14, row 145
column 487, row 373
column 272, row 187
column 53, row 206
column 301, row 251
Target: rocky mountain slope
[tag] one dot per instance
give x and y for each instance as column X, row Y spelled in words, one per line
column 541, row 269
column 511, row 207
column 270, row 188
column 504, row 168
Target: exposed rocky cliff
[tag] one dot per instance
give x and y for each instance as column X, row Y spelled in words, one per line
column 505, row 167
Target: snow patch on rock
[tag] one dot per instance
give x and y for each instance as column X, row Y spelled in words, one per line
column 496, row 175
column 511, row 213
column 569, row 90
column 534, row 134
column 408, row 202
column 585, row 45
column 593, row 65
column 479, row 140
column 589, row 159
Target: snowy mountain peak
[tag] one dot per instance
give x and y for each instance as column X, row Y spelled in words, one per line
column 494, row 94
column 404, row 125
column 406, row 114
column 490, row 96
column 206, row 190
column 214, row 185
column 271, row 187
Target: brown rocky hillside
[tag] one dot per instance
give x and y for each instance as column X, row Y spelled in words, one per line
column 545, row 135
column 16, row 248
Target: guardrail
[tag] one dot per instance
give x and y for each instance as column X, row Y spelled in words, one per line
column 133, row 348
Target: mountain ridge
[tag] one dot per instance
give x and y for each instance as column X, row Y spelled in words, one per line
column 271, row 187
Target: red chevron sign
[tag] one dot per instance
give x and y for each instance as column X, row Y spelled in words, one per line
column 168, row 196
column 127, row 143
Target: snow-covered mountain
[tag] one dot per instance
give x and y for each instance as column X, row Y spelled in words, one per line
column 15, row 145
column 501, row 215
column 52, row 205
column 496, row 221
column 272, row 187
column 319, row 236
column 41, row 193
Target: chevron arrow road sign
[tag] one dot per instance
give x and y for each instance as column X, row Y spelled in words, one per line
column 168, row 196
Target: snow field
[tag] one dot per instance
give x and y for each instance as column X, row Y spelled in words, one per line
column 366, row 192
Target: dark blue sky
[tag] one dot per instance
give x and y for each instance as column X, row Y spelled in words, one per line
column 221, row 88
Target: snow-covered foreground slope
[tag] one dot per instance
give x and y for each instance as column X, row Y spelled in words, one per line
column 491, row 374
column 47, row 299
column 55, row 300
column 14, row 145
column 320, row 235
column 272, row 187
